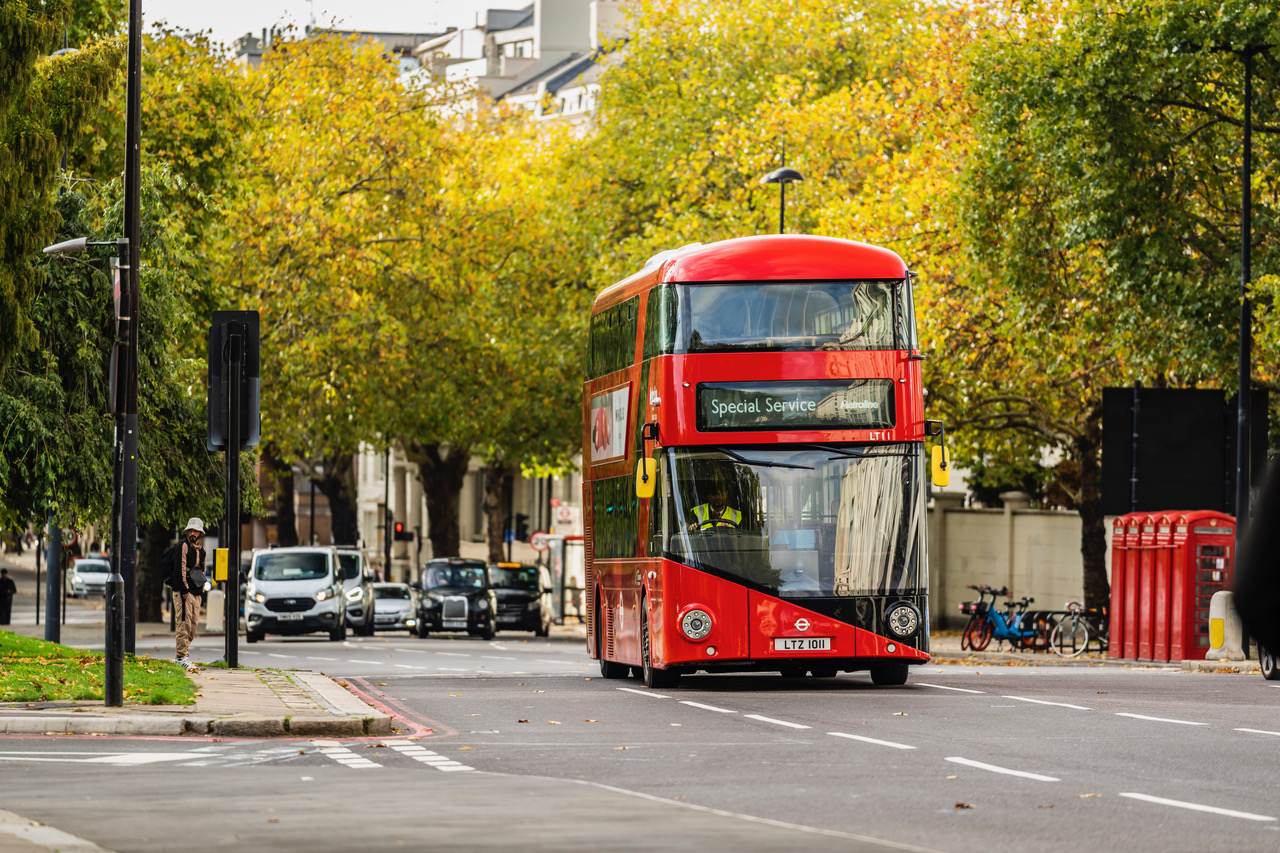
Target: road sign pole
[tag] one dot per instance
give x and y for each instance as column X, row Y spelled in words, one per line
column 231, row 600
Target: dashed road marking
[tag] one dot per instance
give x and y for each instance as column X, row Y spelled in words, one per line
column 888, row 743
column 1043, row 702
column 645, row 692
column 707, row 707
column 1258, row 732
column 1005, row 770
column 945, row 687
column 775, row 722
column 1197, row 807
column 1161, row 719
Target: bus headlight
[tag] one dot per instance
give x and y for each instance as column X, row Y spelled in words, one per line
column 696, row 624
column 903, row 619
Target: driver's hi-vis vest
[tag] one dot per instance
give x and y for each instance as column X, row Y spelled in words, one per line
column 702, row 512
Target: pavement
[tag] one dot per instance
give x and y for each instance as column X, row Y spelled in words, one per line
column 256, row 703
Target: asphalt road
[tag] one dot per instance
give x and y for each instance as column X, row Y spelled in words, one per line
column 521, row 744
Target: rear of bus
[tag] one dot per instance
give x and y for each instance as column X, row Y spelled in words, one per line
column 775, row 384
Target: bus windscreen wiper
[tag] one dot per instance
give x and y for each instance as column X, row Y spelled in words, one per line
column 757, row 464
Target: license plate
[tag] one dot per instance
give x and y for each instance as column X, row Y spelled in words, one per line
column 508, row 618
column 455, row 623
column 289, row 617
column 802, row 644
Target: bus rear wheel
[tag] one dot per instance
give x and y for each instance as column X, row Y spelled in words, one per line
column 608, row 668
column 889, row 674
column 653, row 677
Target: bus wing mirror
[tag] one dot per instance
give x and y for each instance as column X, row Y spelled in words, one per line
column 941, row 467
column 646, row 477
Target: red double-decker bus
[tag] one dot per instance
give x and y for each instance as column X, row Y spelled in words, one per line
column 754, row 456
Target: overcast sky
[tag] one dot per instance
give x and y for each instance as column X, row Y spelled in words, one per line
column 230, row 19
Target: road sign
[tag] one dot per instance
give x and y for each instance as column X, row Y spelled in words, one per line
column 564, row 515
column 538, row 541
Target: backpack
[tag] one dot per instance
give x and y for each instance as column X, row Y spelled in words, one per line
column 171, row 564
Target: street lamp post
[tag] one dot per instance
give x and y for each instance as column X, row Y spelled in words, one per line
column 782, row 177
column 124, row 517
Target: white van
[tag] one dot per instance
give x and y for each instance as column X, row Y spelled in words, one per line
column 294, row 591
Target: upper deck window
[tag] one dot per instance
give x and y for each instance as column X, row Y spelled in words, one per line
column 842, row 315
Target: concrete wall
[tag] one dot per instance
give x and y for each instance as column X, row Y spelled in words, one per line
column 1033, row 552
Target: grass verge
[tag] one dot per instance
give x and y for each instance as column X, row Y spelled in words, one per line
column 34, row 670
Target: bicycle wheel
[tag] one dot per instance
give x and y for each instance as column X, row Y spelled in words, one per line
column 964, row 635
column 978, row 634
column 1070, row 637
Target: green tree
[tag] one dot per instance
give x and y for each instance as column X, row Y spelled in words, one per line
column 1103, row 213
column 42, row 102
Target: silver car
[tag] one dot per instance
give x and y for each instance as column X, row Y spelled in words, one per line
column 357, row 584
column 393, row 607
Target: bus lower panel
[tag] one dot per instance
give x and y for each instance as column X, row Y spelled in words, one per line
column 784, row 664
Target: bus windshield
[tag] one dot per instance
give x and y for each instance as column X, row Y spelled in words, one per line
column 804, row 521
column 847, row 315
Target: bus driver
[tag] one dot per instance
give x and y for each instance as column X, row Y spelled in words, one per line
column 715, row 512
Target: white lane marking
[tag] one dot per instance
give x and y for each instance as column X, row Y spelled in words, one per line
column 371, row 662
column 645, row 692
column 1197, row 807
column 1258, row 732
column 1042, row 702
column 453, row 654
column 994, row 769
column 775, row 722
column 406, row 666
column 415, row 651
column 565, row 662
column 1161, row 720
column 274, row 655
column 451, row 669
column 496, row 657
column 141, row 758
column 706, row 707
column 872, row 740
column 315, row 658
column 945, row 687
column 325, row 742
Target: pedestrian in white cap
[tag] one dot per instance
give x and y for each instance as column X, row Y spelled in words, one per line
column 186, row 600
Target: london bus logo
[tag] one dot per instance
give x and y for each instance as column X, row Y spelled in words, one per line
column 802, row 624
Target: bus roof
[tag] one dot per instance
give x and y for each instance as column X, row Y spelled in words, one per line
column 771, row 257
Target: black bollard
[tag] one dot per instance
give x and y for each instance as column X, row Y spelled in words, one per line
column 113, row 676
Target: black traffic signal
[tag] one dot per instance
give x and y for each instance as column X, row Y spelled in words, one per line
column 402, row 535
column 522, row 527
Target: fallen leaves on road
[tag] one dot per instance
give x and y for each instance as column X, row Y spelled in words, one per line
column 382, row 684
column 522, row 721
column 622, row 747
column 1087, row 796
column 1045, row 807
column 590, row 721
column 953, row 777
column 899, row 713
column 964, row 805
column 464, row 747
column 554, row 723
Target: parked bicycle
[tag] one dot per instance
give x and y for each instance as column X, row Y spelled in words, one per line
column 986, row 622
column 1078, row 629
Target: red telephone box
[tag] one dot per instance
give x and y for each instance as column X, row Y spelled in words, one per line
column 1119, row 547
column 1209, row 555
column 1163, row 565
column 1132, row 579
column 1146, row 585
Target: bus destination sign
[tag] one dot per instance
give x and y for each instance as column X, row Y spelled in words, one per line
column 739, row 406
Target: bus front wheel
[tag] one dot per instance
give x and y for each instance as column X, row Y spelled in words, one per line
column 889, row 674
column 653, row 677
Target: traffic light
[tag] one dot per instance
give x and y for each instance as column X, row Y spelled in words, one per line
column 522, row 527
column 402, row 535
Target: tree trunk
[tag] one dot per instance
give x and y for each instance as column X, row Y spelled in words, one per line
column 284, row 516
column 495, row 478
column 151, row 588
column 1093, row 529
column 442, row 470
column 339, row 485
